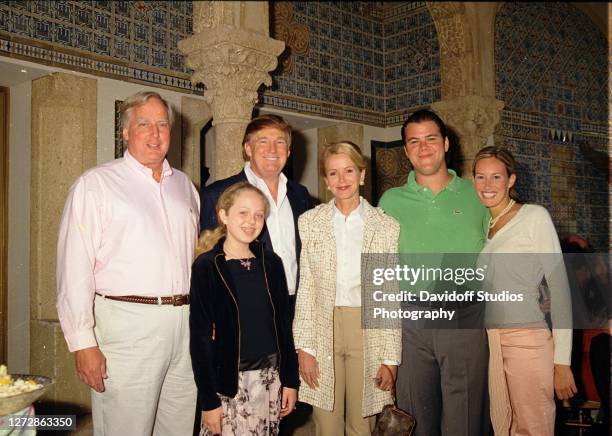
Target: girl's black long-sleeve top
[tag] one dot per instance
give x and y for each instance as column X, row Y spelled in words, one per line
column 214, row 308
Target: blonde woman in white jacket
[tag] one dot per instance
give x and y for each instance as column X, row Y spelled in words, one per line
column 347, row 372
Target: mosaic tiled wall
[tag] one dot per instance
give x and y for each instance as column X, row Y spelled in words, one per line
column 361, row 63
column 369, row 62
column 551, row 72
column 103, row 36
column 412, row 62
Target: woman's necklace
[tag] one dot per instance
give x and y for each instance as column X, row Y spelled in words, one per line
column 244, row 262
column 495, row 220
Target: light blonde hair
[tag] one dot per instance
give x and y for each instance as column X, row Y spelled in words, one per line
column 209, row 238
column 139, row 99
column 344, row 147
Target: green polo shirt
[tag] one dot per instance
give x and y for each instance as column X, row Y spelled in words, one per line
column 453, row 221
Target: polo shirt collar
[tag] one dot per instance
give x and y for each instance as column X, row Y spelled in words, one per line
column 166, row 168
column 412, row 184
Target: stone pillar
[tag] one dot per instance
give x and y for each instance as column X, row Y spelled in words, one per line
column 456, row 66
column 195, row 113
column 64, row 114
column 231, row 53
column 474, row 119
column 336, row 133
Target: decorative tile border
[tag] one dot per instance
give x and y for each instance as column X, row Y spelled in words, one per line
column 323, row 109
column 46, row 54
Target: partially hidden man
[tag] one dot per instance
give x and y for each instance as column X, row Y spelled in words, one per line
column 442, row 380
column 266, row 148
column 126, row 244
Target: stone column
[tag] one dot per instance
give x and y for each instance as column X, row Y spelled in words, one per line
column 474, row 119
column 456, row 66
column 231, row 53
column 63, row 146
column 195, row 113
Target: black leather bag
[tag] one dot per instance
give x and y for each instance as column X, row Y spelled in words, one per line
column 393, row 421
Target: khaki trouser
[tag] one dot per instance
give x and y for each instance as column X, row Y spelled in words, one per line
column 348, row 372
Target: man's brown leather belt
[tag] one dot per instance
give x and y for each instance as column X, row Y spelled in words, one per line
column 175, row 300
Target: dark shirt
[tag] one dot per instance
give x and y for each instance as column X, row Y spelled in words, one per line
column 257, row 335
column 215, row 324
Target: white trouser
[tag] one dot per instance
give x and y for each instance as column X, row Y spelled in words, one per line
column 150, row 389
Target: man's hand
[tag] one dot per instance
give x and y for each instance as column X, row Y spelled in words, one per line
column 289, row 397
column 385, row 377
column 565, row 388
column 211, row 419
column 91, row 367
column 309, row 369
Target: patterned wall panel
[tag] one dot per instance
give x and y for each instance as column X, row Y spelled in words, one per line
column 551, row 72
column 412, row 62
column 101, row 36
column 369, row 62
column 390, row 167
column 364, row 62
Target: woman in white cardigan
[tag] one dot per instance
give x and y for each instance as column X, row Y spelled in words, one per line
column 527, row 363
column 347, row 372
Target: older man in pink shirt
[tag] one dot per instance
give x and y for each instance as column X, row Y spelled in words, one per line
column 126, row 244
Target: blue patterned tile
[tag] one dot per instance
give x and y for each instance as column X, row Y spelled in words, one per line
column 82, row 39
column 82, row 16
column 63, row 34
column 43, row 30
column 140, row 32
column 122, row 8
column 4, row 20
column 102, row 44
column 121, row 49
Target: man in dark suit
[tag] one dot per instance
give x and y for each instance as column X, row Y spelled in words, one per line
column 266, row 147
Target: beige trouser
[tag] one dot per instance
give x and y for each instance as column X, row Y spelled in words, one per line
column 348, row 371
column 150, row 389
column 521, row 381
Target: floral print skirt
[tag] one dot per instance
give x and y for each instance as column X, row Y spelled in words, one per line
column 255, row 410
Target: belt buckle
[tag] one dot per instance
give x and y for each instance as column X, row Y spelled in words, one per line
column 177, row 300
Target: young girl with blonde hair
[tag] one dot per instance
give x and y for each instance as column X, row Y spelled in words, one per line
column 242, row 350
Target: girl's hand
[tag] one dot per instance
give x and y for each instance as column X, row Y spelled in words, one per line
column 565, row 387
column 385, row 377
column 309, row 369
column 289, row 397
column 211, row 419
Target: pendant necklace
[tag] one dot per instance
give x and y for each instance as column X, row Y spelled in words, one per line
column 495, row 220
column 245, row 263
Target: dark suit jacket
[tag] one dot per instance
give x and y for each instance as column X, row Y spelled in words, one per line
column 296, row 193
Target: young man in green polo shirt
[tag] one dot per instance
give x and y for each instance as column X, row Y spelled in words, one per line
column 443, row 377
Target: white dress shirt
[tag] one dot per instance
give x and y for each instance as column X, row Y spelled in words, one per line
column 280, row 224
column 348, row 231
column 123, row 233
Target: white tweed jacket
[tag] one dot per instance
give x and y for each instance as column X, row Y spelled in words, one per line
column 313, row 325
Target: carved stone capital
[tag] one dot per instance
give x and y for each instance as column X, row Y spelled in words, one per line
column 473, row 118
column 232, row 63
column 231, row 53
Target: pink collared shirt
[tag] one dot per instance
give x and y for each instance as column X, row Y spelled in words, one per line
column 123, row 233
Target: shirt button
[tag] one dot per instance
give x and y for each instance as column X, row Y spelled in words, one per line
column 433, row 201
column 328, row 357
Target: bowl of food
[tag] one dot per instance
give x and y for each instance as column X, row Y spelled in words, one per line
column 18, row 391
